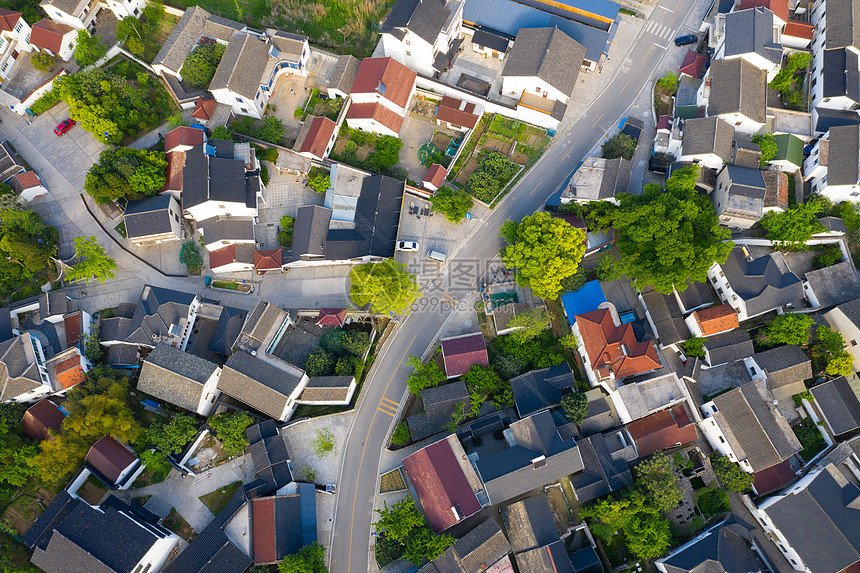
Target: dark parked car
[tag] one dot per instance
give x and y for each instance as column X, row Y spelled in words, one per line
column 686, row 40
column 64, row 126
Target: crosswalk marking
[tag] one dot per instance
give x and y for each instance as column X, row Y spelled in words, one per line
column 659, row 30
column 390, row 402
column 392, row 414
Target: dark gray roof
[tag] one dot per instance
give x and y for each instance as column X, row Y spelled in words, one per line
column 829, row 118
column 158, row 310
column 344, row 73
column 327, row 389
column 146, row 217
column 487, row 39
column 242, row 66
column 751, row 32
column 540, row 389
column 547, row 53
column 720, row 550
column 529, row 523
column 269, row 454
column 481, row 547
column 831, row 224
column 754, row 427
column 258, row 384
column 509, row 472
column 175, row 376
column 213, row 178
column 616, row 177
column 601, row 473
column 259, row 324
column 215, row 229
column 764, row 283
column 195, row 22
column 843, row 24
column 696, row 295
column 424, row 18
column 729, row 346
column 55, row 303
column 706, row 135
column 310, row 232
column 440, row 403
column 844, row 167
column 839, row 74
column 784, row 365
column 738, row 87
column 550, row 558
column 838, row 401
column 293, row 523
column 10, row 164
column 18, row 373
column 5, row 324
column 122, row 355
column 746, row 193
column 667, row 316
column 820, row 521
column 835, row 284
column 227, row 330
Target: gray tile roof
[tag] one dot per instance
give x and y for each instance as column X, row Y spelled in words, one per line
column 242, row 66
column 835, row 284
column 540, row 389
column 720, row 550
column 10, row 164
column 529, row 523
column 424, row 18
column 310, row 232
column 738, row 87
column 820, row 521
column 258, row 384
column 551, row 558
column 764, row 283
column 196, row 22
column 440, row 403
column 784, row 365
column 227, row 330
column 839, row 74
column 327, row 389
column 729, row 346
column 751, row 32
column 756, row 429
column 602, row 474
column 706, row 135
column 175, row 376
column 843, row 24
column 147, row 217
column 71, row 7
column 481, row 547
column 239, row 229
column 844, row 167
column 344, row 73
column 547, row 53
column 259, row 324
column 667, row 316
column 18, row 373
column 851, row 310
column 121, row 355
column 213, row 178
column 839, row 401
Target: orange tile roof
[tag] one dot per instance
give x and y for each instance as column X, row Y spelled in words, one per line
column 319, row 134
column 377, row 112
column 8, row 19
column 72, row 324
column 28, row 179
column 716, row 319
column 203, row 108
column 778, row 7
column 175, row 165
column 49, row 35
column 267, row 260
column 222, row 256
column 797, row 29
column 456, row 112
column 435, row 175
column 183, row 135
column 385, row 76
column 70, row 372
column 604, row 341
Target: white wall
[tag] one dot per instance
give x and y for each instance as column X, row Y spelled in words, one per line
column 125, row 8
column 812, row 169
column 32, row 193
column 710, row 160
column 157, row 555
column 719, row 198
column 514, row 86
column 712, row 432
column 759, row 62
column 741, row 123
column 413, row 52
column 241, row 105
column 210, row 209
column 725, row 292
column 839, row 322
column 367, row 124
column 210, row 394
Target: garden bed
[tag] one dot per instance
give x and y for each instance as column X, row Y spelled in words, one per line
column 120, row 229
column 244, row 288
column 810, row 438
column 392, row 481
column 218, row 499
column 177, row 524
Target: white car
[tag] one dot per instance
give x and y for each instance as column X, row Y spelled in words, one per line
column 409, row 246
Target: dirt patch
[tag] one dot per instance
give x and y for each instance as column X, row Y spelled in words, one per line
column 493, row 144
column 363, row 153
column 519, row 158
column 466, row 171
column 535, row 139
column 392, row 481
column 441, row 141
column 560, row 512
column 209, row 454
column 92, row 491
column 22, row 513
column 423, row 108
column 662, row 101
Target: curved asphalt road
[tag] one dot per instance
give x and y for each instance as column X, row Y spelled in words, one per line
column 386, row 384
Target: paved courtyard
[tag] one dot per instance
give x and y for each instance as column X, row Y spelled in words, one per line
column 284, row 194
column 289, row 93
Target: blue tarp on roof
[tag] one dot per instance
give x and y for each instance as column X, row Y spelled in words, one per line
column 584, row 300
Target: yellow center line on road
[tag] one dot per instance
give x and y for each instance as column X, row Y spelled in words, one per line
column 625, row 87
column 536, row 188
column 598, row 119
column 361, row 461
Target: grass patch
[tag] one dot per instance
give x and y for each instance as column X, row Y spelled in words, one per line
column 121, row 230
column 810, row 438
column 149, row 477
column 143, row 499
column 218, row 499
column 232, row 285
column 177, row 524
column 392, row 481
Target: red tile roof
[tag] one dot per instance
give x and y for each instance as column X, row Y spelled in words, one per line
column 778, row 7
column 462, row 352
column 267, row 260
column 49, row 35
column 605, row 345
column 175, row 165
column 664, row 122
column 72, row 325
column 109, row 458
column 70, row 372
column 716, row 319
column 441, row 485
column 797, row 29
column 662, row 430
column 331, row 317
column 222, row 256
column 183, row 135
column 773, row 478
column 377, row 112
column 42, row 417
column 27, row 179
column 265, row 544
column 378, row 75
column 693, row 64
column 456, row 112
column 203, row 108
column 435, row 176
column 318, row 137
column 8, row 19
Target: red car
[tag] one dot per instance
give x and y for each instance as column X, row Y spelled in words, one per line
column 64, row 126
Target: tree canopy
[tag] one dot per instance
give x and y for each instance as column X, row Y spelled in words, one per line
column 93, row 262
column 16, row 448
column 319, row 179
column 646, row 533
column 423, row 375
column 529, row 324
column 320, row 362
column 454, row 204
column 230, row 430
column 544, row 251
column 89, row 49
column 730, row 475
column 484, row 384
column 141, row 35
column 125, row 172
column 575, row 407
column 789, row 329
column 656, row 480
column 309, row 559
column 665, row 237
column 791, row 229
column 27, row 245
column 200, row 65
column 619, row 145
column 402, row 523
column 829, row 353
column 387, row 287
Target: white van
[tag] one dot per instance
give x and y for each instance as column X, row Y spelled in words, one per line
column 437, row 256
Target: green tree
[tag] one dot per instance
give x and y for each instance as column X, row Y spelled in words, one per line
column 786, row 76
column 839, row 364
column 230, row 430
column 831, row 255
column 423, row 375
column 272, row 130
column 575, row 407
column 669, row 82
column 93, row 262
column 89, row 49
column 694, row 347
column 529, row 324
column 200, row 65
column 665, row 238
column 43, row 61
column 309, row 559
column 221, row 132
column 569, row 341
column 401, row 434
column 789, row 329
column 172, row 437
column 98, row 415
column 356, row 342
column 829, row 354
column 176, row 120
column 332, row 341
column 482, row 384
column 324, row 443
column 401, row 523
column 656, row 480
column 387, row 154
column 189, row 255
column 320, row 362
column 319, row 179
column 767, row 145
column 544, row 251
column 345, row 366
column 730, row 475
column 646, row 533
column 791, row 229
column 575, row 281
column 619, row 145
column 509, row 366
column 482, row 186
column 127, row 173
column 156, row 461
column 454, row 204
column 17, row 450
column 387, row 287
column 285, row 236
column 141, row 35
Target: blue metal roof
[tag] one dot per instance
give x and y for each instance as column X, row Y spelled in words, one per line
column 605, row 8
column 586, row 299
column 508, row 17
